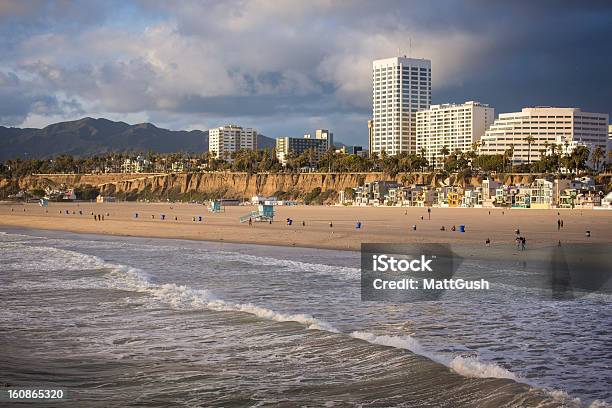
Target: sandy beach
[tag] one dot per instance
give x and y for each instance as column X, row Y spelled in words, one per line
column 380, row 224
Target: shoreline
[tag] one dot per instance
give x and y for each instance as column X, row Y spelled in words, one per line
column 380, row 225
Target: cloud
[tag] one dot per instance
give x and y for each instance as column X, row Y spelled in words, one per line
column 279, row 64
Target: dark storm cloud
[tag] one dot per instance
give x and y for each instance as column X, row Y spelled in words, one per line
column 194, row 62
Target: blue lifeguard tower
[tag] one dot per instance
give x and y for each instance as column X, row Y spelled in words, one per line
column 264, row 212
column 216, row 206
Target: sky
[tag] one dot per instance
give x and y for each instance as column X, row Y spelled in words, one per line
column 289, row 67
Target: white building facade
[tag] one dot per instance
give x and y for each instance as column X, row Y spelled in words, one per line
column 565, row 128
column 609, row 159
column 225, row 140
column 400, row 87
column 455, row 126
column 322, row 142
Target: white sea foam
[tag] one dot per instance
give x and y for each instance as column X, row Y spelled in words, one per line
column 337, row 271
column 180, row 296
column 466, row 366
column 567, row 401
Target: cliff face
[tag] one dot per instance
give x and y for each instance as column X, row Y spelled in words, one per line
column 241, row 185
column 238, row 185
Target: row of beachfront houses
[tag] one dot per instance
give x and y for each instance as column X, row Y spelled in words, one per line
column 542, row 193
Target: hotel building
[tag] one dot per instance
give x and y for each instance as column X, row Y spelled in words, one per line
column 285, row 146
column 564, row 127
column 225, row 140
column 455, row 126
column 400, row 87
column 609, row 144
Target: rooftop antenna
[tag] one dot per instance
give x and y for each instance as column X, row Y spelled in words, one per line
column 410, row 47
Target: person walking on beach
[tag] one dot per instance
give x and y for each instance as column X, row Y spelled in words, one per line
column 250, row 222
column 558, row 224
column 429, row 213
column 523, row 242
column 518, row 242
column 561, row 223
column 488, row 242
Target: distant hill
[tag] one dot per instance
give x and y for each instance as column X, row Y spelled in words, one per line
column 88, row 136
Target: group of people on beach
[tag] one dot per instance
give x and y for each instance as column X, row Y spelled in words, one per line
column 520, row 240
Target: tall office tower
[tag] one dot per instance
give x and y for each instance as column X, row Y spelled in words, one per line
column 454, row 126
column 400, row 87
column 225, row 140
column 370, row 136
column 563, row 128
column 609, row 158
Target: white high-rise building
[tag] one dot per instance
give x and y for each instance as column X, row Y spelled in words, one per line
column 454, row 126
column 224, row 140
column 609, row 157
column 565, row 128
column 400, row 87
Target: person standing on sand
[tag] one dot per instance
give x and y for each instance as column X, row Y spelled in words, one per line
column 250, row 222
column 518, row 242
column 561, row 223
column 558, row 225
column 488, row 242
column 523, row 242
column 429, row 212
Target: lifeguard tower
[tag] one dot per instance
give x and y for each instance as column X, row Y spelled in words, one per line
column 215, row 206
column 264, row 212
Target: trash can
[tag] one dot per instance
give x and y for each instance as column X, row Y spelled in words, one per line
column 462, row 228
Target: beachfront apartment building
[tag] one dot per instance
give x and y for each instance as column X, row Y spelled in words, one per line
column 609, row 159
column 565, row 128
column 400, row 87
column 295, row 146
column 225, row 140
column 454, row 126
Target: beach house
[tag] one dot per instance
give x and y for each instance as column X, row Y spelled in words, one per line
column 541, row 194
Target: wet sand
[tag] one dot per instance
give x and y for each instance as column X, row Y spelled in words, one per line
column 379, row 224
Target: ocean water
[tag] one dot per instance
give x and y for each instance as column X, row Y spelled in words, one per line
column 152, row 322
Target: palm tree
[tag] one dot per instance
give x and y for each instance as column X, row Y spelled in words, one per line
column 579, row 157
column 598, row 155
column 444, row 152
column 509, row 154
column 529, row 140
column 422, row 153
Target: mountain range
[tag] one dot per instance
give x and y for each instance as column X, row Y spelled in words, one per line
column 89, row 136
